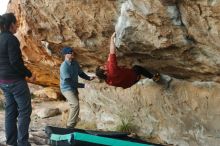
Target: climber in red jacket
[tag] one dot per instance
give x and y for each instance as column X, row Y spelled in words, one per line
column 115, row 75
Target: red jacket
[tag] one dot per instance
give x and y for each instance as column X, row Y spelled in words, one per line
column 119, row 76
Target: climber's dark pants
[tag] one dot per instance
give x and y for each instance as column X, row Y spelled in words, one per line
column 142, row 71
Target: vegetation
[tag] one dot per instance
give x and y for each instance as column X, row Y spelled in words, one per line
column 126, row 126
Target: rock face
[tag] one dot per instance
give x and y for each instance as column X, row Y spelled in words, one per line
column 47, row 112
column 186, row 114
column 180, row 38
column 47, row 26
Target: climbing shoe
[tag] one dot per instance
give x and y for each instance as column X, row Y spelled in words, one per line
column 156, row 77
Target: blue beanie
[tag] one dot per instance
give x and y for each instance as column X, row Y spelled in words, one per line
column 66, row 50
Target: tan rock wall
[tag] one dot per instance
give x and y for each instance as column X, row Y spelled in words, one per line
column 186, row 114
column 179, row 38
column 47, row 26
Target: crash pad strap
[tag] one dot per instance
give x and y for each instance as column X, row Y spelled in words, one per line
column 58, row 137
column 104, row 140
